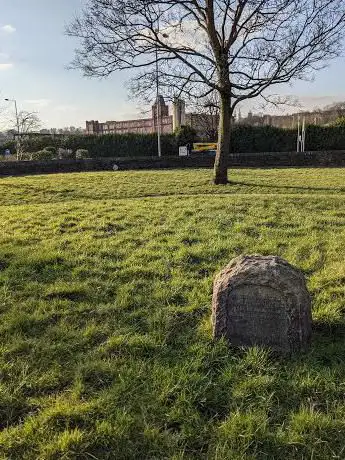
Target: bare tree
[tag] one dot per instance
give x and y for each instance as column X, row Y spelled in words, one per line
column 335, row 106
column 238, row 48
column 28, row 122
column 206, row 110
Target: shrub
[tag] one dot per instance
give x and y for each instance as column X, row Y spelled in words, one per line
column 26, row 156
column 339, row 122
column 51, row 149
column 82, row 153
column 42, row 155
column 185, row 135
column 63, row 153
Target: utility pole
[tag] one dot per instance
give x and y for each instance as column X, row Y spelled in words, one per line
column 301, row 135
column 17, row 116
column 158, row 114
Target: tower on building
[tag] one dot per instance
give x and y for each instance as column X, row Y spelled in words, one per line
column 161, row 106
column 179, row 114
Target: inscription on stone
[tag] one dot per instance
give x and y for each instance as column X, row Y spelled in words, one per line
column 262, row 300
column 258, row 317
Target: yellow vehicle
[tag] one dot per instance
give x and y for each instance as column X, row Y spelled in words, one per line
column 204, row 146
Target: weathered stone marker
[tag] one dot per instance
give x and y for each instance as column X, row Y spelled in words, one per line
column 262, row 300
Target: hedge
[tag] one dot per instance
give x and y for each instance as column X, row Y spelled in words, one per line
column 110, row 145
column 244, row 139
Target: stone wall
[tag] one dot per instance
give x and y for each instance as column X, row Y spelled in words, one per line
column 243, row 160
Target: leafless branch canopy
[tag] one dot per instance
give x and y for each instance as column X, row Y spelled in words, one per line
column 207, row 111
column 236, row 47
column 28, row 122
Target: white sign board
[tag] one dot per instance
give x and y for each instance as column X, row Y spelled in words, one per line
column 183, row 151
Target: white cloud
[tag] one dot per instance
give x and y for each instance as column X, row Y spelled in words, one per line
column 6, row 66
column 4, row 56
column 8, row 29
column 39, row 103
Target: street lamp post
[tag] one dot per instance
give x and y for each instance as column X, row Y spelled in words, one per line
column 17, row 116
column 158, row 112
column 17, row 121
column 158, row 116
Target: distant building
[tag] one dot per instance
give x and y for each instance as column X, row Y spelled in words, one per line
column 206, row 124
column 317, row 117
column 168, row 123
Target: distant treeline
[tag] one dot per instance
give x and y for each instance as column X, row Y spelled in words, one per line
column 244, row 139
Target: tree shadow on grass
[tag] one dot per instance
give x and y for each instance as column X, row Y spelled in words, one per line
column 287, row 187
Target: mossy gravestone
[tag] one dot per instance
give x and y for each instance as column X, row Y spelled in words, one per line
column 264, row 301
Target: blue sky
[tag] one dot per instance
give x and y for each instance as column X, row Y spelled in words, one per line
column 34, row 53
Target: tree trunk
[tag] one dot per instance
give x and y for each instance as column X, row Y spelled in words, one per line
column 224, row 139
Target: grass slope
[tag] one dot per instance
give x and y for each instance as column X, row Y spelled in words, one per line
column 105, row 291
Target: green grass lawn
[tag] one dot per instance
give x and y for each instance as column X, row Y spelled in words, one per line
column 106, row 349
